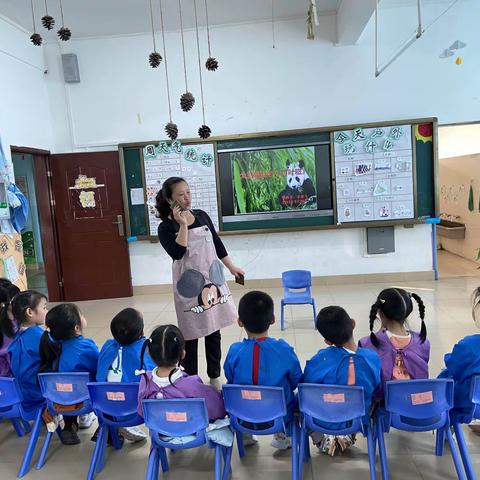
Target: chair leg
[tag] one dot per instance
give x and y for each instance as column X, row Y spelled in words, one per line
column 32, row 443
column 163, row 459
column 102, row 457
column 26, row 426
column 43, row 453
column 295, row 451
column 95, row 460
column 307, row 447
column 218, row 462
column 314, row 314
column 117, row 443
column 371, row 455
column 152, row 464
column 456, row 457
column 462, row 446
column 440, row 443
column 241, row 448
column 227, row 463
column 282, row 318
column 382, row 452
column 17, row 425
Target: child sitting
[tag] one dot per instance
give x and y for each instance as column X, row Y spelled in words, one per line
column 404, row 354
column 261, row 360
column 29, row 309
column 7, row 325
column 342, row 363
column 64, row 349
column 463, row 363
column 119, row 358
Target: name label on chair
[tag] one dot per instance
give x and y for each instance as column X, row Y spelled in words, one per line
column 116, row 396
column 422, row 398
column 176, row 416
column 251, row 394
column 334, row 397
column 64, row 387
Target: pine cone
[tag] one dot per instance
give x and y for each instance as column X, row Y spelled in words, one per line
column 172, row 130
column 211, row 64
column 187, row 101
column 64, row 34
column 154, row 59
column 204, row 131
column 48, row 22
column 36, row 39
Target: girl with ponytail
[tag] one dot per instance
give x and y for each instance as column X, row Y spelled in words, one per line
column 404, row 354
column 8, row 326
column 166, row 347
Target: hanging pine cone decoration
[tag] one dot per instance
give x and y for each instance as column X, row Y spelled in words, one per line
column 187, row 101
column 172, row 130
column 48, row 22
column 64, row 34
column 36, row 39
column 154, row 59
column 211, row 64
column 204, row 131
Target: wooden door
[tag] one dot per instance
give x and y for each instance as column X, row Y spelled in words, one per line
column 89, row 212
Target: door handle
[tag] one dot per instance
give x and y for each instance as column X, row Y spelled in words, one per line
column 119, row 222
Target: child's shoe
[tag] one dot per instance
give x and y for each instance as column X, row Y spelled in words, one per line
column 249, row 439
column 133, row 434
column 86, row 421
column 69, row 436
column 281, row 441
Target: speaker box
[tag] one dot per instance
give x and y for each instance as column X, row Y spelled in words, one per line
column 380, row 240
column 71, row 73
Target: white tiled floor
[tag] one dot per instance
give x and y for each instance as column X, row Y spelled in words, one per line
column 448, row 319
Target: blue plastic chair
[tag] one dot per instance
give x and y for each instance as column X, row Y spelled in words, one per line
column 417, row 406
column 259, row 410
column 115, row 405
column 344, row 405
column 456, row 420
column 179, row 418
column 297, row 291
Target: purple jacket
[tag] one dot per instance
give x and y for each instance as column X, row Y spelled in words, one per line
column 5, row 370
column 184, row 387
column 415, row 355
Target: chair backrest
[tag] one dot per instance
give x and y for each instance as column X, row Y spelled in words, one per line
column 331, row 403
column 65, row 389
column 419, row 399
column 475, row 396
column 10, row 397
column 297, row 279
column 253, row 403
column 114, row 399
column 176, row 417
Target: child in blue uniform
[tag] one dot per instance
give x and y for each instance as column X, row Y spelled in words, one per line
column 64, row 349
column 261, row 360
column 119, row 359
column 342, row 363
column 463, row 363
column 8, row 326
column 29, row 309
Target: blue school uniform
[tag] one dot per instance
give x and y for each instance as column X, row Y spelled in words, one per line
column 330, row 367
column 130, row 360
column 278, row 366
column 461, row 365
column 24, row 362
column 79, row 354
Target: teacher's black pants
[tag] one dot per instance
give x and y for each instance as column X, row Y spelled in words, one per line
column 213, row 353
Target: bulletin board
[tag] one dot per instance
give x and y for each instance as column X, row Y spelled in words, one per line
column 12, row 263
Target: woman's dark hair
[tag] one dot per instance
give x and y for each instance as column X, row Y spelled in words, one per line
column 165, row 347
column 20, row 303
column 475, row 303
column 61, row 322
column 6, row 328
column 396, row 304
column 127, row 326
column 165, row 194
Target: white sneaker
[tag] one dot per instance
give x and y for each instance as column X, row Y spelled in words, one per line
column 133, row 434
column 86, row 421
column 217, row 383
column 249, row 439
column 281, row 441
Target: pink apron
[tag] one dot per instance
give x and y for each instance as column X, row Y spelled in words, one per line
column 203, row 301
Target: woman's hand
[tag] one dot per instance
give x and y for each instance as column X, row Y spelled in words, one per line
column 236, row 271
column 179, row 216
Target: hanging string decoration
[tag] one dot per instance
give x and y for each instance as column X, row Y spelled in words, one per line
column 154, row 58
column 273, row 24
column 47, row 20
column 171, row 128
column 64, row 33
column 212, row 63
column 35, row 38
column 187, row 100
column 204, row 131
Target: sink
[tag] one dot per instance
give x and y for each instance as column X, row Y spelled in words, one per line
column 449, row 229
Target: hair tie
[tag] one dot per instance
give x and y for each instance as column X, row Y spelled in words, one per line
column 150, row 340
column 51, row 338
column 140, row 372
column 382, row 301
column 175, row 339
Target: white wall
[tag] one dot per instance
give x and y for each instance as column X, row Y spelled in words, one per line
column 24, row 107
column 458, row 140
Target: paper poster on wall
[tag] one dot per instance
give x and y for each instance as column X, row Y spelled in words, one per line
column 136, row 196
column 374, row 174
column 195, row 163
column 10, row 269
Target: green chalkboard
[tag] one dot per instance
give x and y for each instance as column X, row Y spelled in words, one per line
column 425, row 158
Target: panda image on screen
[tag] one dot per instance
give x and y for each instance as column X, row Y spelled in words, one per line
column 300, row 191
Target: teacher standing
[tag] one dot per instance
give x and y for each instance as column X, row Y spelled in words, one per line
column 203, row 301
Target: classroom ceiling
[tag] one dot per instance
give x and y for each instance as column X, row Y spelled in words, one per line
column 118, row 17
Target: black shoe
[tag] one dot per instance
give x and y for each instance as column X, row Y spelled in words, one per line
column 69, row 437
column 109, row 440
